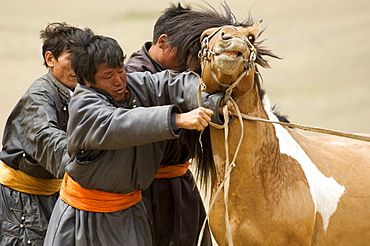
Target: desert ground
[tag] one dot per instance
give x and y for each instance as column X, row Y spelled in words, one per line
column 323, row 79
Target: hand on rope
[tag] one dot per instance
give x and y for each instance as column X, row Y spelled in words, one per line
column 197, row 119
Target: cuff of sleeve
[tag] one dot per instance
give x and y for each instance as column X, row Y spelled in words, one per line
column 174, row 111
column 173, row 121
column 212, row 101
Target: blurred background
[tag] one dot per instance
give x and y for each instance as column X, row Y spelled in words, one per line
column 323, row 79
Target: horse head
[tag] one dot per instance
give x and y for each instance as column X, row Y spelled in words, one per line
column 228, row 55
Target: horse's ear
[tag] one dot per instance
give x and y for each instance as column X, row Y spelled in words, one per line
column 254, row 29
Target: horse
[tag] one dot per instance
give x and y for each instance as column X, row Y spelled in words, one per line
column 281, row 187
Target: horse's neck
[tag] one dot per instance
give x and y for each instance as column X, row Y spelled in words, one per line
column 260, row 136
column 250, row 103
column 267, row 150
column 282, row 162
column 257, row 137
column 260, row 154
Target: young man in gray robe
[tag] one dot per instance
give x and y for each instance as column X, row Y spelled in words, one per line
column 34, row 150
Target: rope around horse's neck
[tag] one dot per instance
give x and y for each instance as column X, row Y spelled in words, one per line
column 293, row 125
column 311, row 128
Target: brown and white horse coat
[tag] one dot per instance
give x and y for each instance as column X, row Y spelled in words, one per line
column 286, row 188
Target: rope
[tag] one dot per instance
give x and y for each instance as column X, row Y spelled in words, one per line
column 293, row 125
column 228, row 167
column 311, row 128
column 227, row 179
column 225, row 183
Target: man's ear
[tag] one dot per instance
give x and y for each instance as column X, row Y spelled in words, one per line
column 87, row 83
column 49, row 58
column 162, row 41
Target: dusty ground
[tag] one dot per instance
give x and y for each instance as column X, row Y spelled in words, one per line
column 323, row 79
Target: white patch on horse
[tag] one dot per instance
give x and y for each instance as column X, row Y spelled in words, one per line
column 325, row 191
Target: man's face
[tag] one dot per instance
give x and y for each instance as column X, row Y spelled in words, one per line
column 164, row 54
column 169, row 58
column 62, row 69
column 112, row 80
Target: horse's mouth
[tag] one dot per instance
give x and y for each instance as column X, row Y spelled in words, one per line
column 229, row 61
column 231, row 54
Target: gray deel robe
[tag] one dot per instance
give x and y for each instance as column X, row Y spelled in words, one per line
column 122, row 151
column 34, row 143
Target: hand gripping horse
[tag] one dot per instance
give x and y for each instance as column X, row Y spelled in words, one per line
column 279, row 187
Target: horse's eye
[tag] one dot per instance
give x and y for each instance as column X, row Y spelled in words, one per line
column 251, row 38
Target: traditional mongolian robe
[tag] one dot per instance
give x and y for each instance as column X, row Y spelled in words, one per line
column 33, row 157
column 116, row 150
column 174, row 205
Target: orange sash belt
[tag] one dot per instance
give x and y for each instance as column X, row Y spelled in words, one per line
column 172, row 171
column 22, row 182
column 94, row 200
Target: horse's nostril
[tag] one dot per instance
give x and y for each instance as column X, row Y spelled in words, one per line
column 225, row 36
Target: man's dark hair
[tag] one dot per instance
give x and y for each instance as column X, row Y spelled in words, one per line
column 55, row 38
column 88, row 51
column 162, row 24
